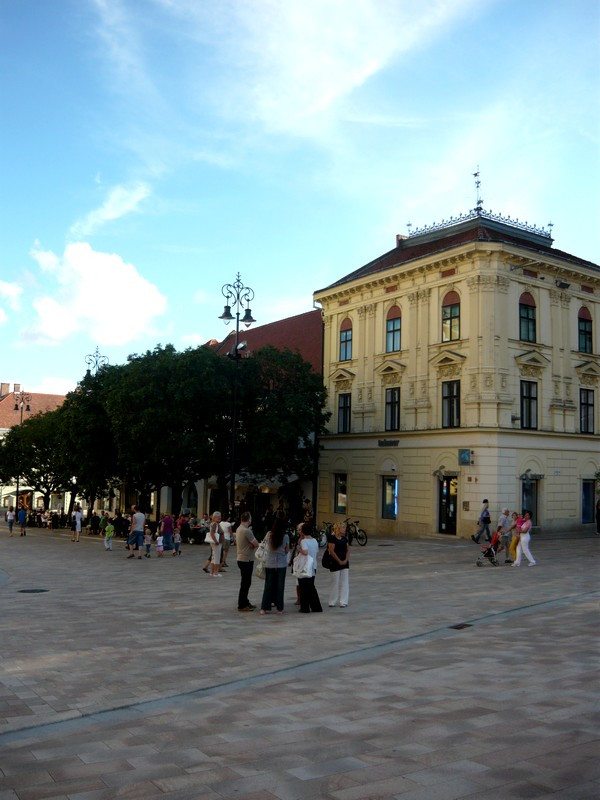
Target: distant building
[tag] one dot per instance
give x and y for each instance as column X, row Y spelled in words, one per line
column 463, row 364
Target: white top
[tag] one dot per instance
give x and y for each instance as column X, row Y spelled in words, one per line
column 311, row 547
column 226, row 530
column 139, row 521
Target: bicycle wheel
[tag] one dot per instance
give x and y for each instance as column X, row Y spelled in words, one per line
column 322, row 538
column 361, row 537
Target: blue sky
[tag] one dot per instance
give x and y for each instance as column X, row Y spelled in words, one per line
column 152, row 149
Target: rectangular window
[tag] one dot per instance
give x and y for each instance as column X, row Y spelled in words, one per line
column 588, row 510
column 389, row 498
column 586, row 410
column 451, row 323
column 346, row 345
column 393, row 330
column 585, row 335
column 526, row 323
column 392, row 409
column 451, row 404
column 344, row 413
column 529, row 418
column 339, row 493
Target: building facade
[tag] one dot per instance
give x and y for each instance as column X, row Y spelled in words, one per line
column 462, row 365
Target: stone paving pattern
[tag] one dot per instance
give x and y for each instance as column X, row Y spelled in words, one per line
column 139, row 679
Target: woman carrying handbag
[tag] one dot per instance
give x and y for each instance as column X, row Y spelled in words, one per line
column 308, row 548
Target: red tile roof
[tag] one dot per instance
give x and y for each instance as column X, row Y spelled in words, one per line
column 302, row 334
column 38, row 403
column 446, row 239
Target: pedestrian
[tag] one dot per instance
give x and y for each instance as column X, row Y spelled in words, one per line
column 10, row 518
column 109, row 532
column 227, row 527
column 484, row 523
column 136, row 532
column 216, row 544
column 246, row 544
column 95, row 524
column 504, row 532
column 524, row 539
column 276, row 566
column 160, row 547
column 77, row 522
column 147, row 541
column 102, row 523
column 339, row 552
column 515, row 526
column 166, row 528
column 308, row 546
column 177, row 543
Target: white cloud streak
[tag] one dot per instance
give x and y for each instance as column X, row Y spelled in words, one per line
column 10, row 294
column 121, row 200
column 98, row 294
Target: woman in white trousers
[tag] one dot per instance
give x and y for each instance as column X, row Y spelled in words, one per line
column 524, row 539
column 340, row 569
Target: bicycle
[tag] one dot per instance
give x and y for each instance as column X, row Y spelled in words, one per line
column 354, row 532
column 322, row 535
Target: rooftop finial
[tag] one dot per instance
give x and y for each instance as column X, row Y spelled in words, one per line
column 479, row 200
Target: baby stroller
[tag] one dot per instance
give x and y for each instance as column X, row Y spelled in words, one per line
column 489, row 550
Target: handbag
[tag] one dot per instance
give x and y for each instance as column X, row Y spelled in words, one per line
column 303, row 566
column 262, row 551
column 327, row 561
column 260, row 569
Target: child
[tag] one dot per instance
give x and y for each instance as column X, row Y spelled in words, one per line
column 147, row 541
column 159, row 545
column 109, row 532
column 177, row 543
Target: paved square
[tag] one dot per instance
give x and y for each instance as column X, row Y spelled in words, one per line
column 139, row 678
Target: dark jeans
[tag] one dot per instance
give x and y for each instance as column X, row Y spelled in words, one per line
column 309, row 597
column 168, row 541
column 274, row 586
column 246, row 568
column 485, row 528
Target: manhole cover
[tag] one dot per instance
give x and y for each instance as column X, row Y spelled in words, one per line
column 461, row 626
column 32, row 591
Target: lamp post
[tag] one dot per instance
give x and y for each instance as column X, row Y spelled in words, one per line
column 238, row 296
column 22, row 401
column 95, row 360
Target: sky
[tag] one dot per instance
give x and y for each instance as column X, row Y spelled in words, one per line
column 151, row 150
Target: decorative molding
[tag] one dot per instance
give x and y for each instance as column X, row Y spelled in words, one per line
column 481, row 213
column 368, row 310
column 531, row 364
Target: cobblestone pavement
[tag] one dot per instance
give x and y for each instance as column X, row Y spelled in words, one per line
column 139, row 679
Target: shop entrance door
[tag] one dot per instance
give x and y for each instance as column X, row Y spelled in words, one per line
column 448, row 504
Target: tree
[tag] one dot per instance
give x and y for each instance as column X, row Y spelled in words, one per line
column 34, row 452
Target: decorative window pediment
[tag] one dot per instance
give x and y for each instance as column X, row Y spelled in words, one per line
column 342, row 379
column 390, row 372
column 448, row 364
column 588, row 373
column 531, row 363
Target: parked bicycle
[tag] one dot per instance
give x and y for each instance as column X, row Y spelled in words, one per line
column 354, row 532
column 321, row 536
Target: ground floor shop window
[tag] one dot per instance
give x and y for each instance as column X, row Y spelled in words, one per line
column 389, row 500
column 339, row 493
column 529, row 498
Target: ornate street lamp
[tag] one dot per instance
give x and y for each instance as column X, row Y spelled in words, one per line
column 236, row 295
column 22, row 401
column 95, row 361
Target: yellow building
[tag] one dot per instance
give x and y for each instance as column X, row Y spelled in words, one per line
column 462, row 365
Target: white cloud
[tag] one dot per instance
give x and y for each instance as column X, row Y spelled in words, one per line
column 121, row 200
column 51, row 384
column 98, row 294
column 9, row 293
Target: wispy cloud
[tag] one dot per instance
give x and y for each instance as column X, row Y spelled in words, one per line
column 121, row 200
column 96, row 293
column 10, row 294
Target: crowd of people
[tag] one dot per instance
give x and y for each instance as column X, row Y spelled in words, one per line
column 512, row 534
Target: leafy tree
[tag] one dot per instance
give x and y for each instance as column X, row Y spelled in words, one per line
column 34, row 452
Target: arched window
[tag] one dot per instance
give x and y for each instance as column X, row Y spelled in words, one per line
column 451, row 317
column 584, row 329
column 526, row 318
column 393, row 330
column 346, row 340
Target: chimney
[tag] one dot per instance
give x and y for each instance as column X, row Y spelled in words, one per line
column 17, row 387
column 3, row 389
